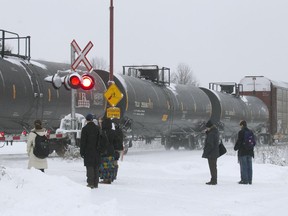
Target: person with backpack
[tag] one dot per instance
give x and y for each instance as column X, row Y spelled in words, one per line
column 37, row 163
column 211, row 150
column 89, row 151
column 245, row 146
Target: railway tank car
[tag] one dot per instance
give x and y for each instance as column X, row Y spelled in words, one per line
column 152, row 108
column 229, row 108
column 25, row 96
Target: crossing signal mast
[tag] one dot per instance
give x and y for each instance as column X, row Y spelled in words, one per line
column 73, row 80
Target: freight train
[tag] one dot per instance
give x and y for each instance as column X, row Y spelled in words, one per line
column 152, row 107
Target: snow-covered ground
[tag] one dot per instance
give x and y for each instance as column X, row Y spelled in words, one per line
column 151, row 181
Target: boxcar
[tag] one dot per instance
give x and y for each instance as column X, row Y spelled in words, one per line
column 275, row 95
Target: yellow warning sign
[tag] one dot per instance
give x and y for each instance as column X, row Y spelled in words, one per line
column 113, row 95
column 113, row 112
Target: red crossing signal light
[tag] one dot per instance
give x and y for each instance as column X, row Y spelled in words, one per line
column 87, row 82
column 75, row 81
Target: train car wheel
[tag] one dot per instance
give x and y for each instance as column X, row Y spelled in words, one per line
column 190, row 145
column 176, row 146
column 167, row 147
column 167, row 143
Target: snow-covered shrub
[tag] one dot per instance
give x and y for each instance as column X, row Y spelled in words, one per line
column 72, row 152
column 273, row 154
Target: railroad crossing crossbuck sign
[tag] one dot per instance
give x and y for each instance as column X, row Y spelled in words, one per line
column 81, row 55
column 113, row 95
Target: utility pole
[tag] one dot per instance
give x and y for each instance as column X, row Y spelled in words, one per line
column 111, row 42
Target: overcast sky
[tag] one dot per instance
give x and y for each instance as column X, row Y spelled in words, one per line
column 221, row 40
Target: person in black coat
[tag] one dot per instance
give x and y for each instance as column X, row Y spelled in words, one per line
column 89, row 151
column 244, row 156
column 118, row 146
column 107, row 168
column 211, row 150
column 106, row 127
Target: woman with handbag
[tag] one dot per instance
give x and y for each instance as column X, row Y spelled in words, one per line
column 211, row 150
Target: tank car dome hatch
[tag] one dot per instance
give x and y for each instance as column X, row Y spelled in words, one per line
column 154, row 73
column 149, row 74
column 226, row 87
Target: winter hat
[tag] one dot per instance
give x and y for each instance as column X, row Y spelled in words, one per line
column 209, row 124
column 89, row 117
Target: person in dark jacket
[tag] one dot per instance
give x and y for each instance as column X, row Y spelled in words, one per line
column 118, row 146
column 211, row 150
column 244, row 156
column 107, row 168
column 89, row 151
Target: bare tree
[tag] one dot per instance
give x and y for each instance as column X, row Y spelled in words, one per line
column 184, row 75
column 99, row 63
